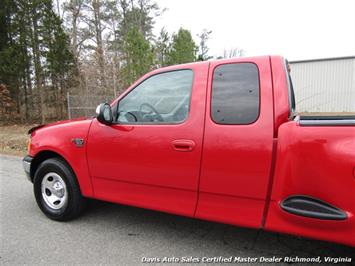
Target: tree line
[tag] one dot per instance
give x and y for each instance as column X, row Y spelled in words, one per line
column 85, row 47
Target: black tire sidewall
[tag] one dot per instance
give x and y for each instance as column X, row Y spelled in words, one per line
column 61, row 168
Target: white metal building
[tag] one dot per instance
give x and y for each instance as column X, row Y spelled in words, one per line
column 324, row 85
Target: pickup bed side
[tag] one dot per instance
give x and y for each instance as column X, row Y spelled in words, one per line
column 316, row 162
column 312, row 191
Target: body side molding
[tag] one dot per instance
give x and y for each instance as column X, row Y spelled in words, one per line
column 311, row 207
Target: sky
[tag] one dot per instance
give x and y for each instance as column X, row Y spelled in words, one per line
column 295, row 29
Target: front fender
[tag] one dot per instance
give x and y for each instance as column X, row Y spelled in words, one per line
column 69, row 140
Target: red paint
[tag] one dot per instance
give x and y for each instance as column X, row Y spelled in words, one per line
column 236, row 159
column 280, row 104
column 316, row 161
column 58, row 138
column 235, row 174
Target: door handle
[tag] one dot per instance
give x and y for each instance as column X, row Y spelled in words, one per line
column 183, row 145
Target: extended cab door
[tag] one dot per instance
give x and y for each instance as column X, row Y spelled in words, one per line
column 151, row 157
column 238, row 142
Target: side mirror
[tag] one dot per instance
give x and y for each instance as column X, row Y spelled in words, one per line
column 104, row 114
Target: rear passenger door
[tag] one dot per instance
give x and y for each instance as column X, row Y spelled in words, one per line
column 237, row 143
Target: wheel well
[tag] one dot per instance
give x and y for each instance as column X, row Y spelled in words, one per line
column 41, row 157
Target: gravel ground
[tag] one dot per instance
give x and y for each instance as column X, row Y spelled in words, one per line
column 120, row 235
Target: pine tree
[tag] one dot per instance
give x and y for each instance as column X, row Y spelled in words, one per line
column 59, row 65
column 134, row 38
column 13, row 51
column 139, row 58
column 105, row 44
column 34, row 58
column 183, row 48
column 162, row 47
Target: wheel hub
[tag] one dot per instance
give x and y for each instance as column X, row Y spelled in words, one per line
column 58, row 189
column 54, row 191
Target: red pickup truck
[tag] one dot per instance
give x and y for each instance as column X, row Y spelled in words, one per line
column 217, row 140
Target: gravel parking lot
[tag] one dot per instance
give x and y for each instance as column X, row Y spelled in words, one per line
column 121, row 235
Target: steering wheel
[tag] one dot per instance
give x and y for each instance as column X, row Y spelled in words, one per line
column 157, row 115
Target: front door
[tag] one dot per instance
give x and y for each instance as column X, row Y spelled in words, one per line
column 151, row 156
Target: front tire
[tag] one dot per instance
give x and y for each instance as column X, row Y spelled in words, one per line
column 57, row 191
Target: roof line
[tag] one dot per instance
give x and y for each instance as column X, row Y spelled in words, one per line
column 322, row 59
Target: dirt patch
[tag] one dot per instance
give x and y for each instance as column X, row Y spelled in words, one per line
column 13, row 139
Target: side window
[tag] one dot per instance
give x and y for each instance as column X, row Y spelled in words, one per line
column 162, row 98
column 235, row 94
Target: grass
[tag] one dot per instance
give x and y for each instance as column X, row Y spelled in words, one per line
column 13, row 139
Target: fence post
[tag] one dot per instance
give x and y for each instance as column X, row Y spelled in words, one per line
column 68, row 101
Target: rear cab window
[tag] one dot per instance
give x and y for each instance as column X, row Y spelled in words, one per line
column 235, row 94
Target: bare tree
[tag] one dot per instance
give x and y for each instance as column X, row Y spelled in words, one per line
column 73, row 15
column 203, row 48
column 37, row 62
column 233, row 52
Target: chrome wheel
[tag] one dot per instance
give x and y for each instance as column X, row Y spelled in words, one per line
column 54, row 191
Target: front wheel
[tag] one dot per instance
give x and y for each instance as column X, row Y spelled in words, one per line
column 57, row 191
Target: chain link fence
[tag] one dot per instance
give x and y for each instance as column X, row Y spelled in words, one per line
column 84, row 106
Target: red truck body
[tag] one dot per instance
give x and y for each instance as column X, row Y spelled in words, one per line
column 281, row 172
